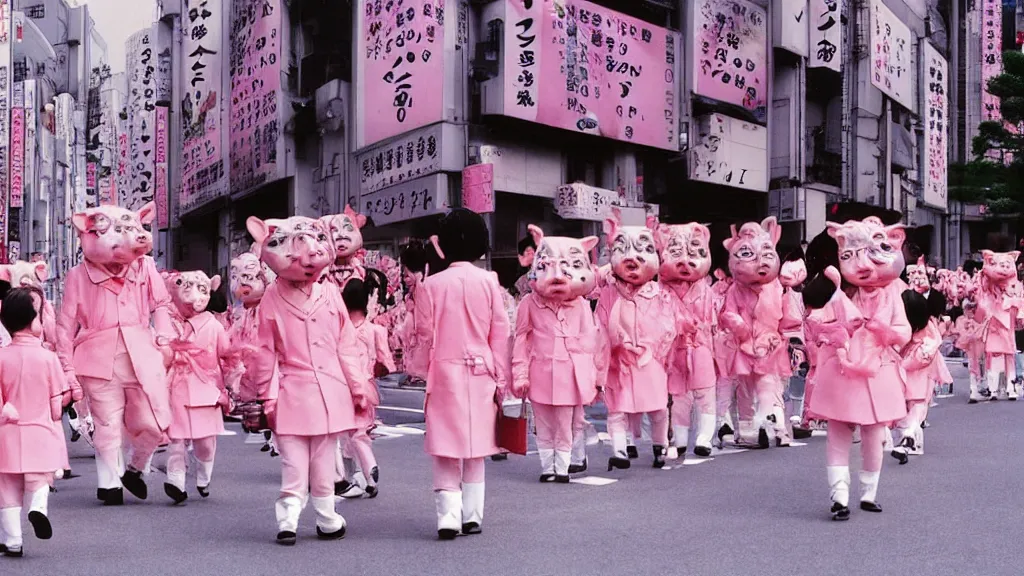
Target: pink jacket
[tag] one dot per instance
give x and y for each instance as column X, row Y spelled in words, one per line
column 463, row 332
column 693, row 356
column 919, row 357
column 195, row 378
column 31, row 382
column 637, row 337
column 244, row 335
column 997, row 313
column 316, row 350
column 554, row 348
column 98, row 309
column 763, row 351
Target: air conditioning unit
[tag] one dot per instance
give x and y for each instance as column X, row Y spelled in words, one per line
column 788, row 204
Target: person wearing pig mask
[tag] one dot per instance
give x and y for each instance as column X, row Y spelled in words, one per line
column 104, row 340
column 639, row 322
column 305, row 331
column 197, row 391
column 555, row 340
column 997, row 311
column 872, row 398
column 463, row 331
column 754, row 316
column 725, row 386
column 685, row 264
column 343, row 230
column 249, row 281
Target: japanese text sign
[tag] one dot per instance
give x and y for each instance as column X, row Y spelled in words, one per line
column 731, row 54
column 478, row 188
column 936, row 129
column 583, row 202
column 17, row 156
column 890, row 55
column 413, row 155
column 825, row 34
column 141, row 66
column 162, row 200
column 991, row 56
column 202, row 102
column 413, row 199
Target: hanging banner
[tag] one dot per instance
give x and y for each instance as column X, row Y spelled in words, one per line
column 890, row 55
column 162, row 200
column 730, row 152
column 935, row 87
column 478, row 188
column 825, row 34
column 202, row 161
column 730, row 48
column 5, row 132
column 991, row 57
column 256, row 96
column 578, row 66
column 124, row 162
column 30, row 186
column 141, row 66
column 790, row 26
column 400, row 54
column 17, row 158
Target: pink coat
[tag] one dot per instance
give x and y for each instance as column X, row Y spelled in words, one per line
column 463, row 332
column 316, row 350
column 31, row 382
column 693, row 356
column 997, row 312
column 195, row 379
column 919, row 357
column 866, row 400
column 554, row 350
column 97, row 307
column 373, row 340
column 764, row 316
column 637, row 330
column 245, row 333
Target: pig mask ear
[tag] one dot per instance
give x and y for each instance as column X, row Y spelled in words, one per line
column 1014, row 255
column 42, row 271
column 536, row 233
column 610, row 226
column 771, row 226
column 897, row 236
column 589, row 243
column 81, row 221
column 358, row 219
column 258, row 229
column 728, row 242
column 148, row 213
column 215, row 283
column 652, row 222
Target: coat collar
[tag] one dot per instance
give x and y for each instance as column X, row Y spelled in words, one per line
column 290, row 296
column 99, row 275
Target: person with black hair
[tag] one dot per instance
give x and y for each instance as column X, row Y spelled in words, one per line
column 463, row 328
column 415, row 260
column 527, row 249
column 32, row 398
column 920, row 357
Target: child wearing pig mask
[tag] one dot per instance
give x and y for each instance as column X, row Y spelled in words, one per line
column 463, row 331
column 347, row 240
column 639, row 322
column 555, row 341
column 197, row 390
column 305, row 331
column 104, row 340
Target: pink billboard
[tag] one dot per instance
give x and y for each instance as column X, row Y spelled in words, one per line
column 17, row 156
column 578, row 66
column 401, row 53
column 991, row 56
column 730, row 54
column 162, row 201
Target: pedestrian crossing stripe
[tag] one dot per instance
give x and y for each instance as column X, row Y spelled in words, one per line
column 593, row 481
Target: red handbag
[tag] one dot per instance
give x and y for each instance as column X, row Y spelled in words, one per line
column 512, row 431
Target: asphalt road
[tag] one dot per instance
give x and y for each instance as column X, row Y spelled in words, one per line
column 953, row 511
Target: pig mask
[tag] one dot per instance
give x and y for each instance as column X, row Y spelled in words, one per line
column 917, row 277
column 111, row 235
column 999, row 267
column 344, row 233
column 248, row 278
column 793, row 273
column 683, row 248
column 190, row 291
column 753, row 259
column 23, row 273
column 634, row 258
column 870, row 253
column 561, row 267
column 297, row 249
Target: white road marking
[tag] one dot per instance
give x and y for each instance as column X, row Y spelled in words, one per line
column 695, row 461
column 797, row 444
column 593, row 481
column 255, row 439
column 399, row 431
column 819, row 433
column 945, row 395
column 727, row 451
column 228, row 433
column 401, row 409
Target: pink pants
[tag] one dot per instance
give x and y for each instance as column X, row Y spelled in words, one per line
column 617, row 423
column 451, row 473
column 579, row 420
column 1004, row 363
column 177, row 455
column 682, row 405
column 359, row 446
column 765, row 389
column 120, row 405
column 974, row 363
column 840, row 440
column 307, row 463
column 554, row 426
column 14, row 487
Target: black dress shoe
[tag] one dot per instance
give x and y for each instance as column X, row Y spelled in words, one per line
column 371, row 491
column 547, row 477
column 341, row 487
column 470, row 528
column 800, row 433
column 618, row 463
column 762, row 439
column 101, row 494
column 11, row 552
column 577, row 468
column 175, row 494
column 840, row 512
column 561, row 479
column 40, row 525
column 133, row 483
column 375, row 474
column 204, row 491
column 68, row 475
column 265, row 448
column 113, row 497
column 659, row 457
column 330, row 535
column 499, row 457
column 702, row 451
column 447, row 534
column 632, row 452
column 286, row 538
column 76, row 435
column 870, row 507
column 901, row 456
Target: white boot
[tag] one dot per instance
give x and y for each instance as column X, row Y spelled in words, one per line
column 992, row 378
column 839, row 491
column 204, row 473
column 680, row 437
column 579, row 451
column 329, row 524
column 782, row 436
column 917, row 433
column 107, row 477
column 37, row 510
column 449, row 513
column 287, row 510
column 869, row 491
column 473, row 507
column 562, row 465
column 748, row 434
column 620, row 457
column 10, row 519
column 547, row 464
column 1011, row 389
column 975, row 392
column 887, row 444
column 705, row 432
column 357, row 486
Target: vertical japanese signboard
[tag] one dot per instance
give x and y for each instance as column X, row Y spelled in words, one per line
column 935, row 86
column 162, row 201
column 791, row 30
column 825, row 33
column 202, row 159
column 17, row 170
column 5, row 131
column 124, row 163
column 30, row 185
column 890, row 55
column 142, row 83
column 730, row 48
column 255, row 93
column 991, row 59
column 401, row 61
column 578, row 66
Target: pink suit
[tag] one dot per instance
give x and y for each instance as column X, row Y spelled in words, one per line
column 692, row 377
column 105, row 339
